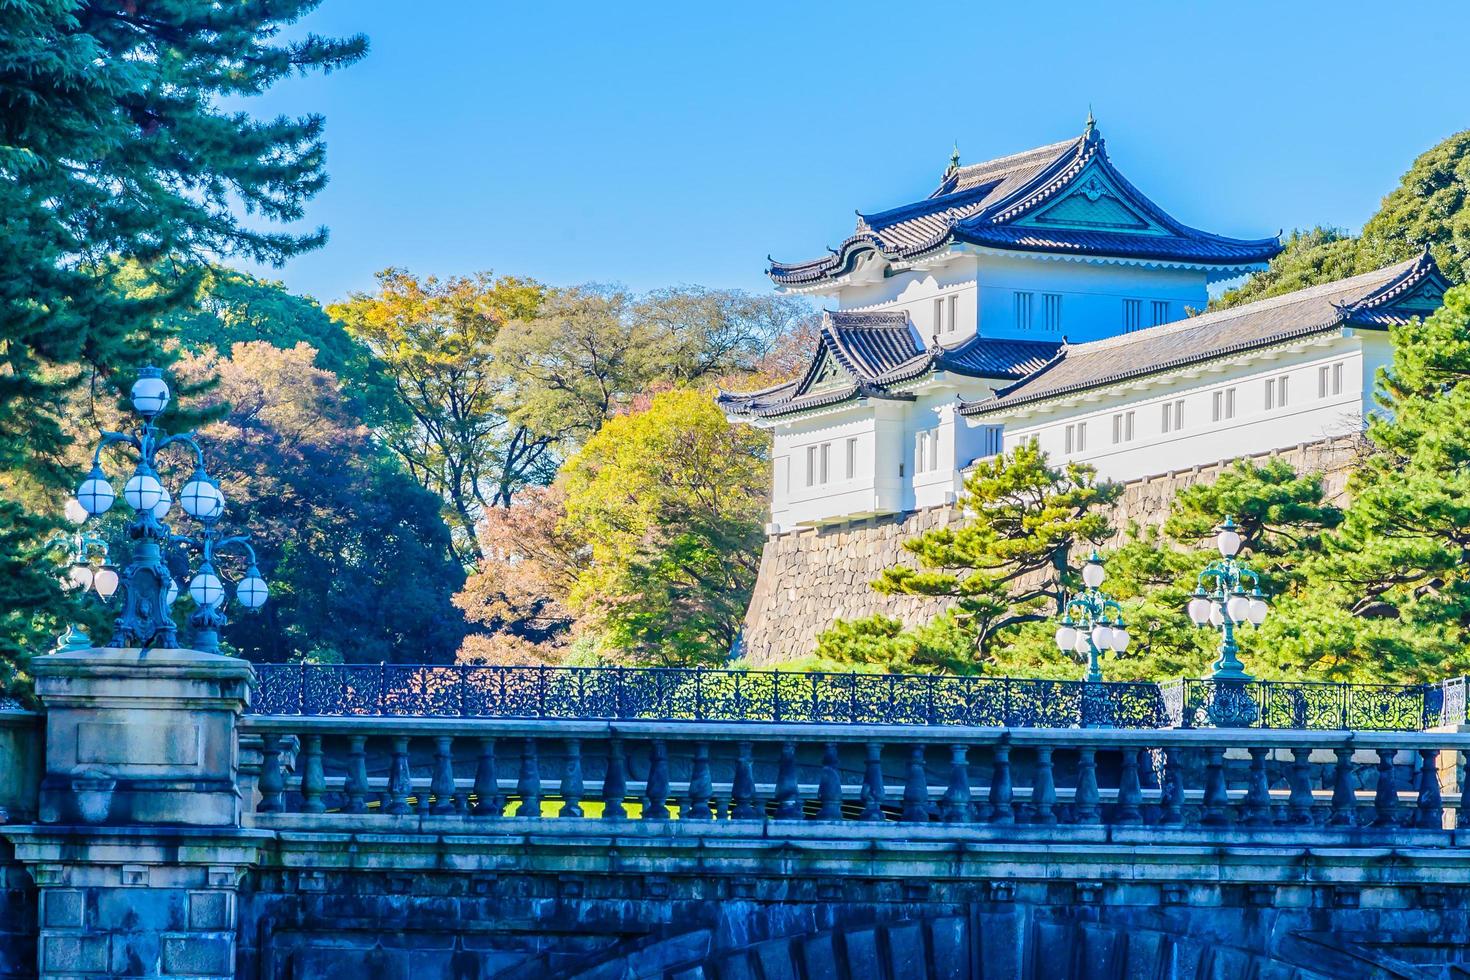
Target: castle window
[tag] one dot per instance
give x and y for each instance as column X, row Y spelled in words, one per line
column 954, row 312
column 939, row 326
column 1276, row 392
column 1160, row 311
column 1053, row 311
column 1132, row 315
column 1173, row 417
column 926, row 452
column 811, row 466
column 1023, row 311
column 826, row 455
column 1223, row 403
column 1122, row 427
column 1076, row 437
column 1329, row 380
column 851, row 458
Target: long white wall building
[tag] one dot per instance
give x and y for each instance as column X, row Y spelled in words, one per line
column 1041, row 296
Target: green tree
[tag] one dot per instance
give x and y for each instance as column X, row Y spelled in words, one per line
column 114, row 148
column 1008, row 564
column 1390, row 599
column 1429, row 208
column 436, row 341
column 669, row 503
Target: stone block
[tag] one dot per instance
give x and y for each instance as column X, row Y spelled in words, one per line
column 211, row 910
column 906, row 957
column 819, row 957
column 198, row 955
column 775, row 961
column 63, row 908
column 862, row 953
column 74, row 954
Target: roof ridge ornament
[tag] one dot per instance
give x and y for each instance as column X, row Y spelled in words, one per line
column 1091, row 126
column 954, row 161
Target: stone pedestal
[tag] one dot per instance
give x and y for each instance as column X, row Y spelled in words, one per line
column 141, row 736
column 139, row 851
column 137, row 902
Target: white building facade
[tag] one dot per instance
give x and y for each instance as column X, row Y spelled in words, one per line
column 1041, row 296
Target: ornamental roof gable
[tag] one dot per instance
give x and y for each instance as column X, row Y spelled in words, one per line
column 1063, row 198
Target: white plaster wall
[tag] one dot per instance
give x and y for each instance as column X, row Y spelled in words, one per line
column 1307, row 416
column 874, row 488
column 915, row 292
column 1092, row 296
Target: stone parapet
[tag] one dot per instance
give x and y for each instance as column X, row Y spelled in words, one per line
column 812, row 577
column 141, row 736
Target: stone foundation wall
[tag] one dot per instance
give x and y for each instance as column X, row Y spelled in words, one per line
column 811, row 578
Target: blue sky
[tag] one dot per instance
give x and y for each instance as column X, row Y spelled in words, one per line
column 665, row 144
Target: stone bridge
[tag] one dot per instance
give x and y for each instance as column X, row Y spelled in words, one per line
column 161, row 826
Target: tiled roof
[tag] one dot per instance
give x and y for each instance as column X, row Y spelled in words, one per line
column 875, row 351
column 1373, row 299
column 980, row 203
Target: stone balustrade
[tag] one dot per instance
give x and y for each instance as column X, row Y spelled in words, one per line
column 364, row 771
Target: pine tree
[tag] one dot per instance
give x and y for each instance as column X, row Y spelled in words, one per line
column 1011, row 561
column 114, row 149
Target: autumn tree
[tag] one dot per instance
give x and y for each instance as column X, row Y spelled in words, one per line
column 436, row 341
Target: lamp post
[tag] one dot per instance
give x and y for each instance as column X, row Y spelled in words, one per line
column 1220, row 600
column 1086, row 627
column 80, row 547
column 147, row 586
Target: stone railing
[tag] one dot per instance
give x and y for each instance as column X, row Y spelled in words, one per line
column 396, row 770
column 691, row 694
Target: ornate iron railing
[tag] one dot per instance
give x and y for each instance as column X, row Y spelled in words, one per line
column 681, row 694
column 1202, row 703
column 687, row 694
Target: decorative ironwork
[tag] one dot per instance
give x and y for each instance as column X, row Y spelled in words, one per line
column 691, row 694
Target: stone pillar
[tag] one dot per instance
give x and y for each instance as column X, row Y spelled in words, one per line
column 139, row 849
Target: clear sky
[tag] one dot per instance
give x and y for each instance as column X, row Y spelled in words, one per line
column 663, row 144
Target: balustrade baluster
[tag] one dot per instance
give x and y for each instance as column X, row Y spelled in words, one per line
column 313, row 782
column 615, row 780
column 1001, row 792
column 916, row 787
column 528, row 786
column 1085, row 808
column 829, row 786
column 442, row 784
column 1299, row 803
column 355, row 787
column 272, row 782
column 571, row 780
column 1344, row 793
column 701, row 786
column 742, row 787
column 487, row 782
column 1386, row 799
column 1171, row 791
column 400, row 780
column 1429, row 811
column 873, row 792
column 1216, row 812
column 788, row 801
column 1130, row 791
column 1043, row 789
column 958, row 804
column 1258, row 791
column 656, row 792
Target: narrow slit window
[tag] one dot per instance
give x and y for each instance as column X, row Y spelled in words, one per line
column 1132, row 315
column 939, row 315
column 825, row 459
column 811, row 466
column 954, row 312
column 851, row 470
column 1053, row 311
column 1160, row 311
column 1023, row 311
